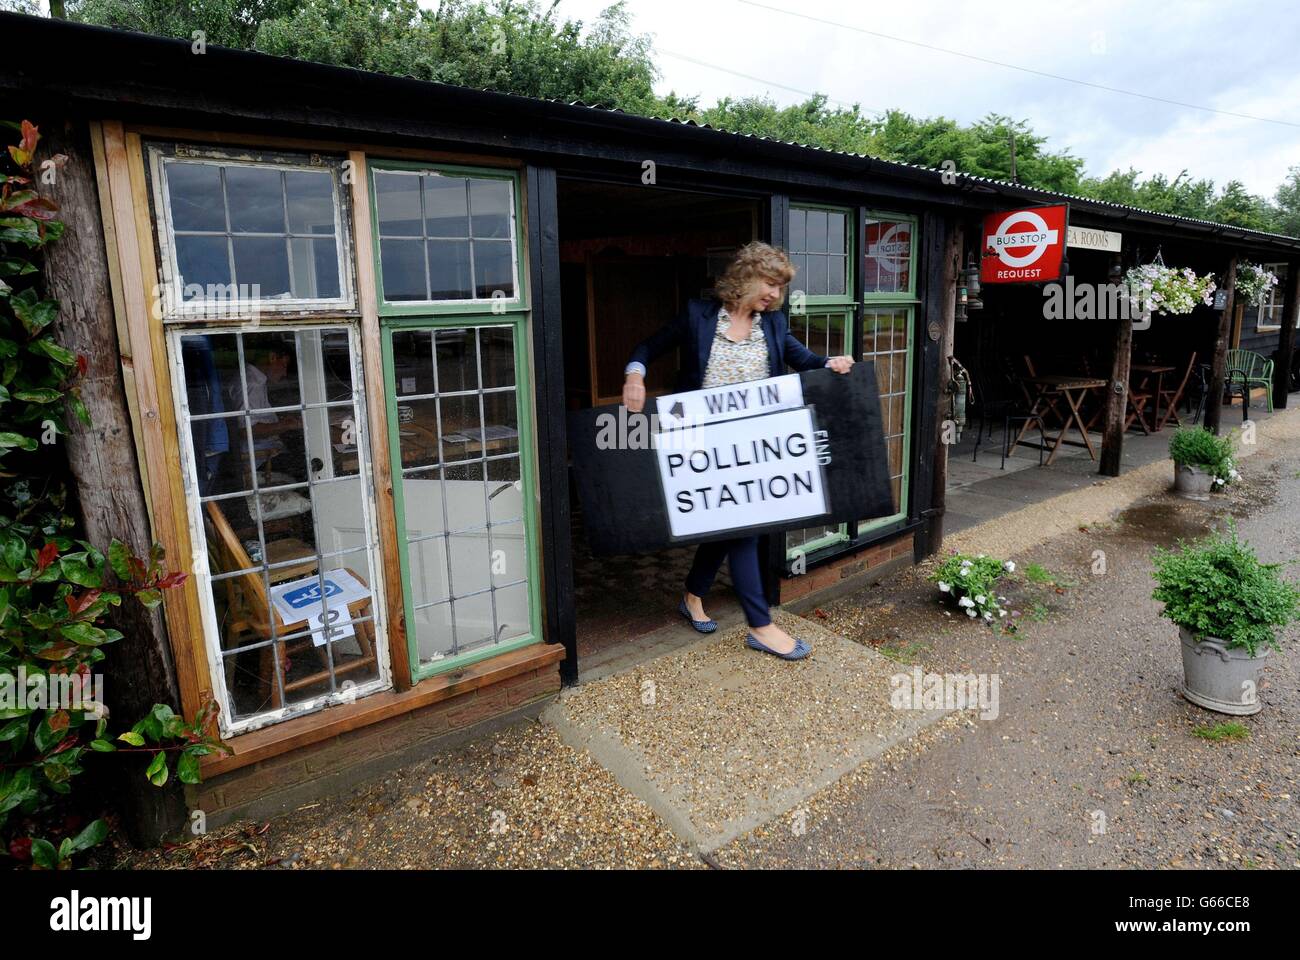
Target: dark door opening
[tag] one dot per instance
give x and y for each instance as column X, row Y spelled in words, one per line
column 630, row 258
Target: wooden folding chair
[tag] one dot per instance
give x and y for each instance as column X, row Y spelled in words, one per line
column 250, row 615
column 1171, row 398
column 1137, row 404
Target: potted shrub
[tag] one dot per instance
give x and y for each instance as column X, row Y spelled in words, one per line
column 1228, row 607
column 1202, row 462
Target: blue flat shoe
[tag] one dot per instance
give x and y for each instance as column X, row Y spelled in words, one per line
column 703, row 626
column 801, row 648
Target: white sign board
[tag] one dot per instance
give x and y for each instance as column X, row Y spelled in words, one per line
column 727, row 403
column 1088, row 238
column 750, row 472
column 300, row 600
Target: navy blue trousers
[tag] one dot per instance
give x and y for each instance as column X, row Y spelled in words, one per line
column 742, row 555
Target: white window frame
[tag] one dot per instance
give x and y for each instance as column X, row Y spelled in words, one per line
column 199, row 542
column 168, row 300
column 1272, row 299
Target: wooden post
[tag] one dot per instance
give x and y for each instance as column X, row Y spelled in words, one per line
column 943, row 239
column 1286, row 341
column 1112, row 439
column 543, row 225
column 1214, row 402
column 102, row 459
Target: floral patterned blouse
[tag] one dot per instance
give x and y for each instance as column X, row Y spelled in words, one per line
column 731, row 362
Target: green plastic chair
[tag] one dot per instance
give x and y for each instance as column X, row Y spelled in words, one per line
column 1257, row 370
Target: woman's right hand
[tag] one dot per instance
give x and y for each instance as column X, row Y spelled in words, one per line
column 634, row 392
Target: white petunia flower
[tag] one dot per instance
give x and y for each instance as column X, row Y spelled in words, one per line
column 965, row 602
column 971, row 614
column 1002, row 613
column 944, row 587
column 981, row 598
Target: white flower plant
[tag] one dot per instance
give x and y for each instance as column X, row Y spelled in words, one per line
column 1254, row 281
column 972, row 583
column 1155, row 288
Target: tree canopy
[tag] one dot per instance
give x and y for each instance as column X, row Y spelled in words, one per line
column 521, row 47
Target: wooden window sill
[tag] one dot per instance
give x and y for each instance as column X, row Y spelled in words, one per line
column 302, row 731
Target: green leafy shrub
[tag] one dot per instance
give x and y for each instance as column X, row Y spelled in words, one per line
column 1217, row 587
column 972, row 583
column 1198, row 447
column 56, row 590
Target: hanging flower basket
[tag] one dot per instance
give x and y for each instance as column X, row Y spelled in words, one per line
column 1254, row 282
column 1155, row 288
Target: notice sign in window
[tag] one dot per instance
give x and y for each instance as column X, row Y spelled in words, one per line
column 755, row 471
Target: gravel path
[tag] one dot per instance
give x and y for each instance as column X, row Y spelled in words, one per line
column 1092, row 733
column 1092, row 760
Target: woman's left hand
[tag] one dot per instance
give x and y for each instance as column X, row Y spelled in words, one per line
column 841, row 364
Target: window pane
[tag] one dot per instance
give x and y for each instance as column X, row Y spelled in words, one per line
column 492, row 268
column 457, row 367
column 490, row 205
column 799, row 230
column 445, row 210
column 256, row 199
column 315, row 269
column 264, row 262
column 413, row 362
column 401, row 262
column 835, row 232
column 498, row 349
column 449, row 269
column 397, row 195
column 817, row 275
column 310, row 198
column 195, row 193
column 837, row 284
column 204, row 261
column 816, row 231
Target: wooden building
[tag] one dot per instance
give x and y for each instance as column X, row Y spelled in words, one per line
column 336, row 320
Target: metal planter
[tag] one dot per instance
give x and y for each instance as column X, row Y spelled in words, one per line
column 1221, row 678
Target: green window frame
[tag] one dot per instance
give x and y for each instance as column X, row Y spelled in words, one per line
column 894, row 375
column 403, row 323
column 473, row 305
column 824, row 322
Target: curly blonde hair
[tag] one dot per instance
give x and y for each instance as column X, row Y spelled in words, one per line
column 753, row 260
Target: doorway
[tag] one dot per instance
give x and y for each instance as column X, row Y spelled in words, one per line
column 630, row 259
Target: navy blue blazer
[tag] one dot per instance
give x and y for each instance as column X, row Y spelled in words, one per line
column 693, row 330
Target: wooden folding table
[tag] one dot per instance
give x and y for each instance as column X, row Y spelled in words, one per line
column 1072, row 390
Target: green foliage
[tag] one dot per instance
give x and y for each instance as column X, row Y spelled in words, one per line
column 523, row 47
column 1217, row 587
column 507, row 45
column 972, row 582
column 56, row 590
column 1201, row 448
column 1232, row 730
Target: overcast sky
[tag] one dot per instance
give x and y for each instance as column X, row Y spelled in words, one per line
column 1240, row 57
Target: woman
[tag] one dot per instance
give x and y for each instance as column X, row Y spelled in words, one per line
column 740, row 334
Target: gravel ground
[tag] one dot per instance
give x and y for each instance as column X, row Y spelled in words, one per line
column 727, row 736
column 1091, row 732
column 519, row 798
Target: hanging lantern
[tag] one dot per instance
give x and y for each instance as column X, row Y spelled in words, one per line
column 972, row 275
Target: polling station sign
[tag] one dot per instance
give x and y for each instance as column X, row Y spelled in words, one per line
column 741, row 473
column 1024, row 246
column 695, row 407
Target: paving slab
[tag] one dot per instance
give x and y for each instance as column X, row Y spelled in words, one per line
column 718, row 739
